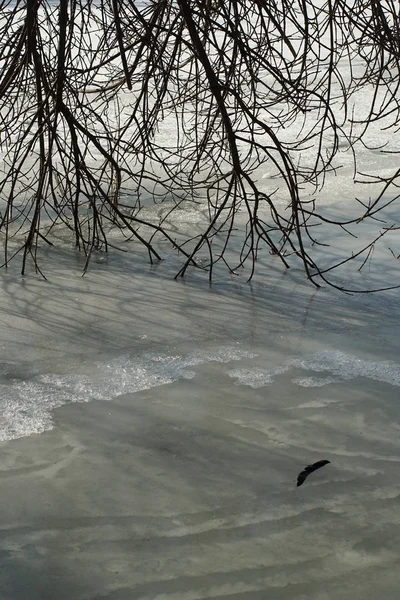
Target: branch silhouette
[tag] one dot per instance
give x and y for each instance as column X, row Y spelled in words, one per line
column 106, row 108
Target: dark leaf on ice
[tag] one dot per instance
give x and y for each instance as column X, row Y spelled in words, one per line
column 316, row 465
column 302, row 477
column 309, row 469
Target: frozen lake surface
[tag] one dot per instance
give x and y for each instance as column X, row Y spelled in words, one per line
column 153, row 431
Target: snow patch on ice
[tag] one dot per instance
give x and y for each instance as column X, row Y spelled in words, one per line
column 345, row 367
column 340, row 366
column 256, row 378
column 26, row 406
column 314, row 381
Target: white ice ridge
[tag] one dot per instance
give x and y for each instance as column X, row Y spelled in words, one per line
column 339, row 366
column 26, row 406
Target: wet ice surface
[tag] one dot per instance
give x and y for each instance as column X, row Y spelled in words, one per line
column 176, row 418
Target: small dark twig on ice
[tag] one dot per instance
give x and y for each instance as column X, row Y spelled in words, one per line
column 309, row 469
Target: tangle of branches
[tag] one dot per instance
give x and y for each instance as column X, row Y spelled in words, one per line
column 236, row 107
